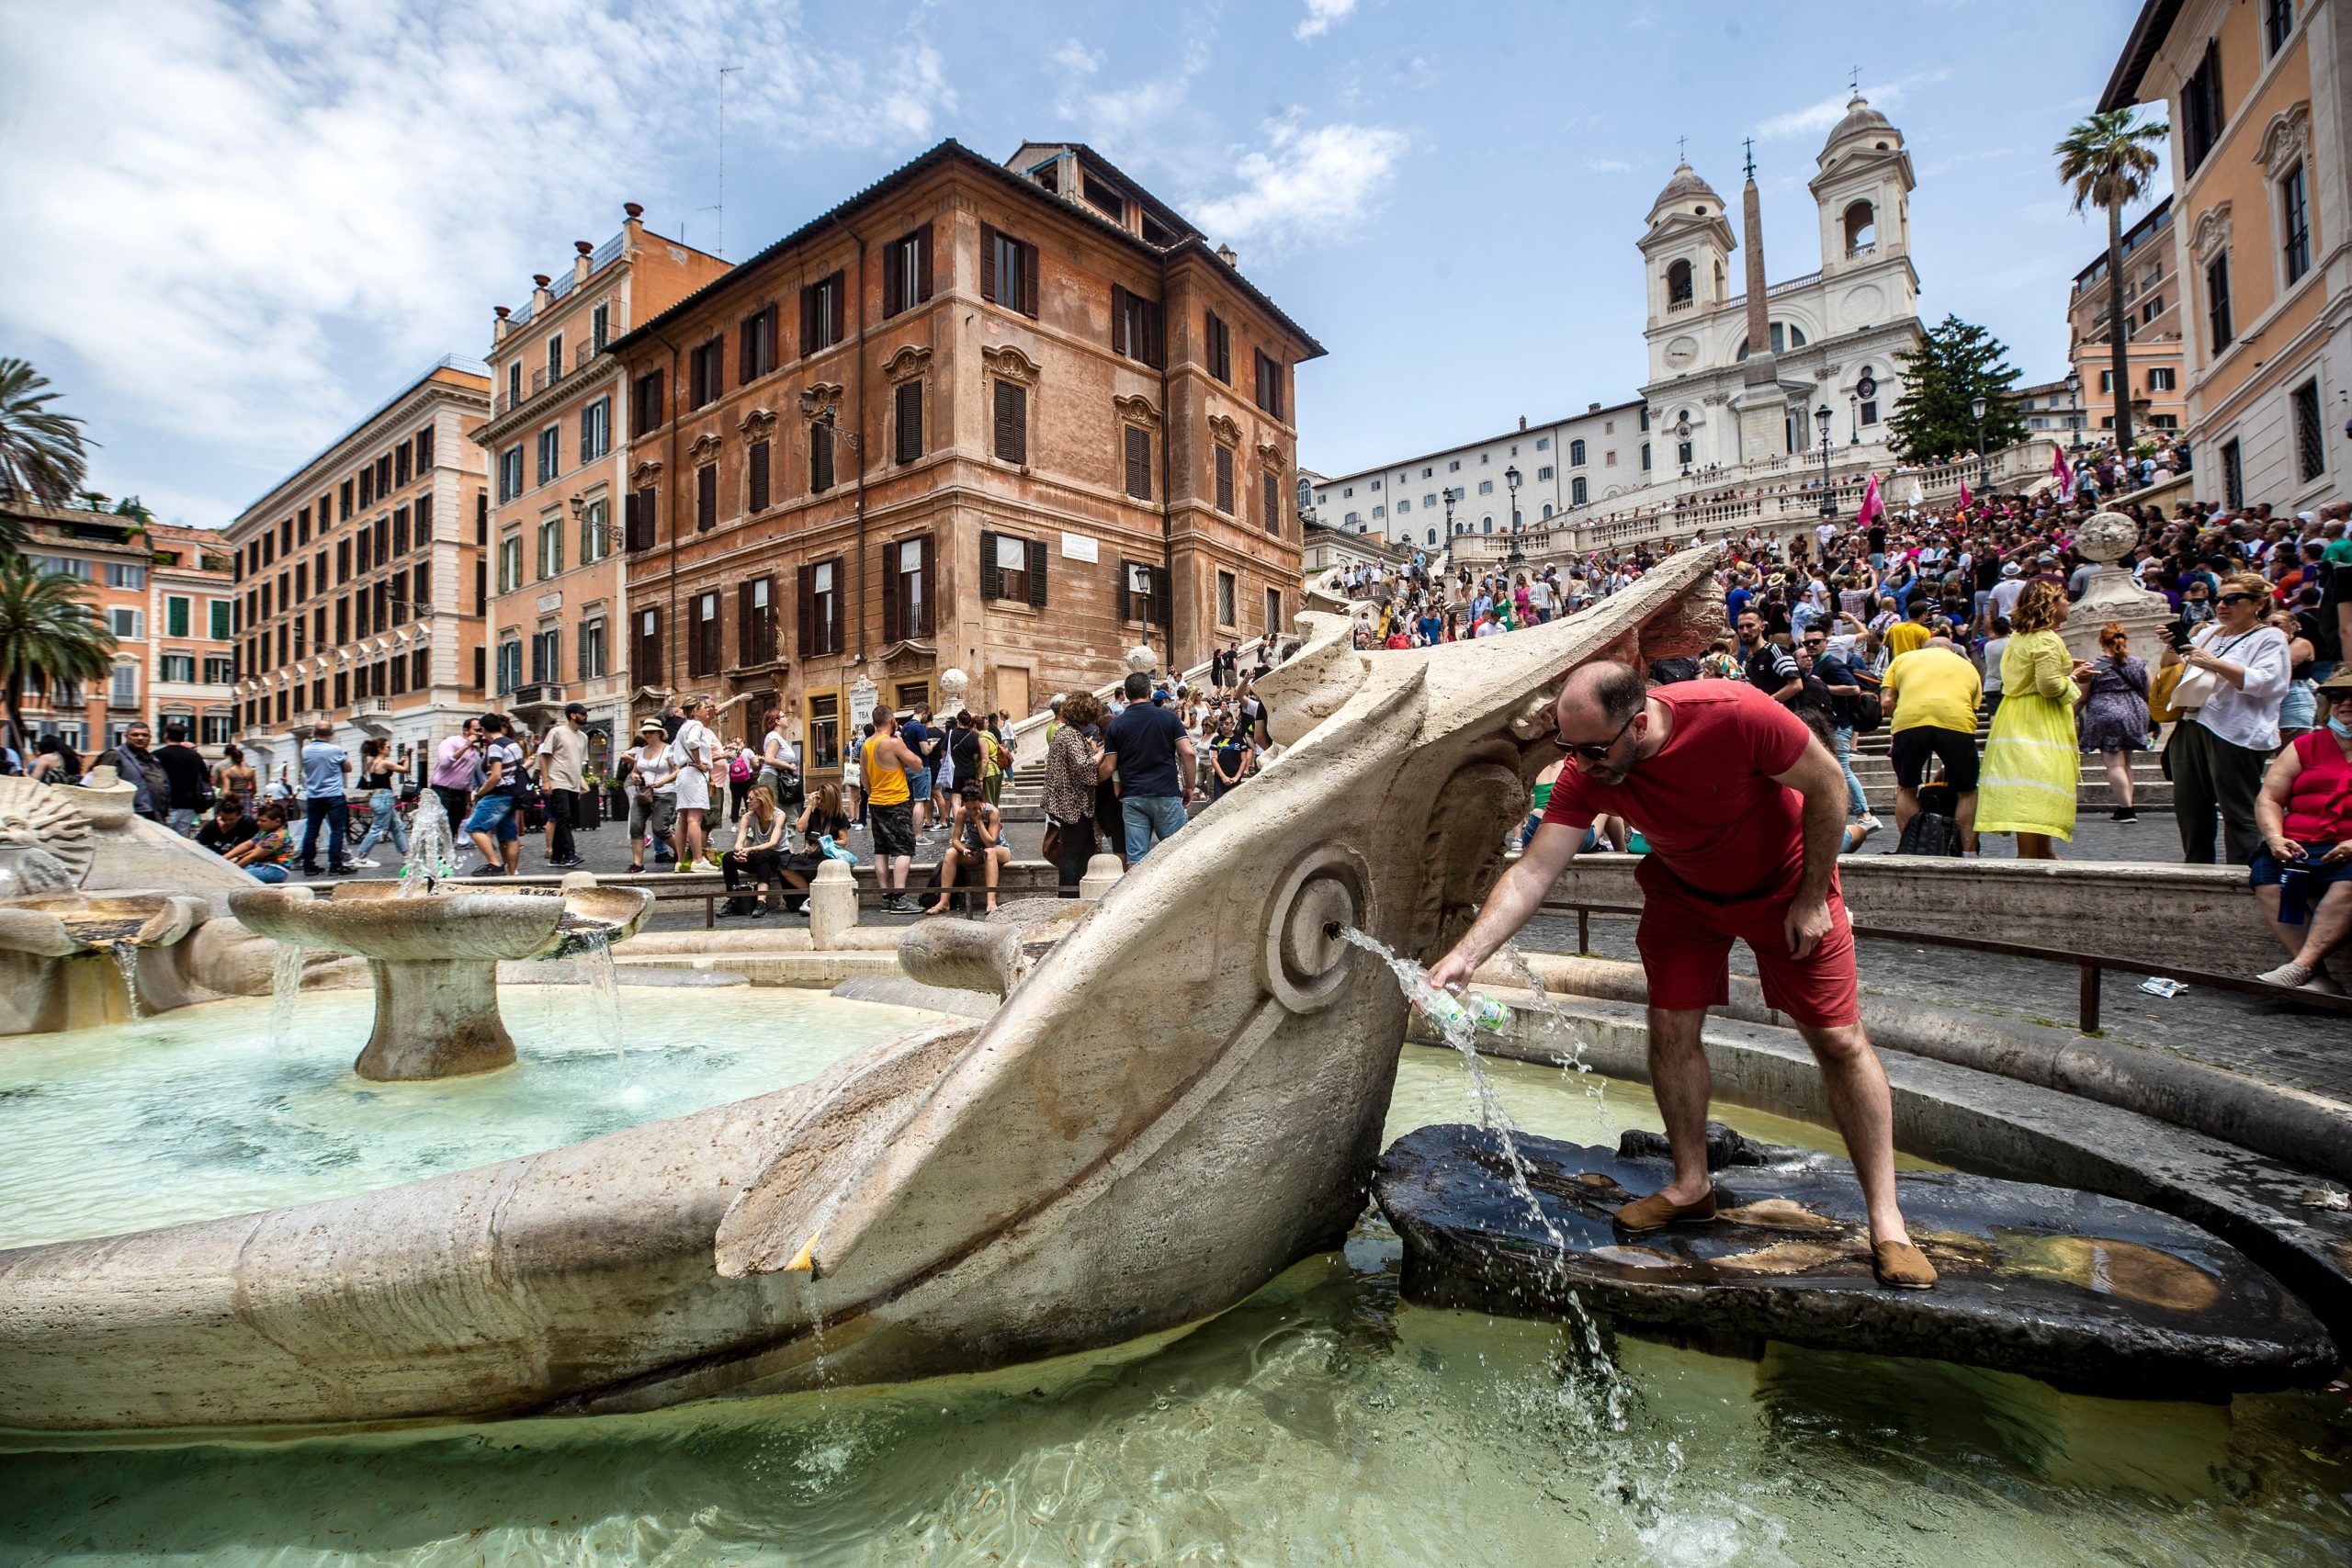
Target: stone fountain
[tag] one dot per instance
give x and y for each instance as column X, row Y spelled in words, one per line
column 433, row 952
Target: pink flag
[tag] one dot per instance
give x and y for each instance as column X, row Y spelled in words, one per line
column 1966, row 500
column 1872, row 508
column 2059, row 466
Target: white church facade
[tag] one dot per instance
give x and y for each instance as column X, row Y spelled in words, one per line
column 1714, row 411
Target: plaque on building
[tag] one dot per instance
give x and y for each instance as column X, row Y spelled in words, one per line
column 863, row 697
column 1078, row 547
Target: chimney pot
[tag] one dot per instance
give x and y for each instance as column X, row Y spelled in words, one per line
column 1225, row 254
column 584, row 247
column 1592, row 408
column 633, row 208
column 501, row 311
column 541, row 278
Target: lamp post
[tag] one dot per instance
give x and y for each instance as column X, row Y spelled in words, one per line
column 1854, row 417
column 1821, row 417
column 1510, row 478
column 1976, row 407
column 2075, row 406
column 1682, row 443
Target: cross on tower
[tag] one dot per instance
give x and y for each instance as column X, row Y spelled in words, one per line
column 1750, row 145
column 1856, row 80
column 1681, row 150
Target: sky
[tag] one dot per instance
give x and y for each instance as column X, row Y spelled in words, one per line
column 238, row 227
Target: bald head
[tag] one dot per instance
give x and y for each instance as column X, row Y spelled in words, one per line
column 1603, row 693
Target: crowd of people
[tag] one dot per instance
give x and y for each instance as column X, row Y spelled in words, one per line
column 1948, row 628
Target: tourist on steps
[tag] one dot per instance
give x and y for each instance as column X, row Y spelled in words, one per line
column 1744, row 811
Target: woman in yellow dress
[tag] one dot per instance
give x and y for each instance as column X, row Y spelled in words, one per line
column 2032, row 763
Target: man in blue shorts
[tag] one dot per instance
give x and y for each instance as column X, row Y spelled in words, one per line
column 915, row 733
column 491, row 824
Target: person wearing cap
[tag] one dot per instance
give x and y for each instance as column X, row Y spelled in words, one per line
column 652, row 791
column 563, row 761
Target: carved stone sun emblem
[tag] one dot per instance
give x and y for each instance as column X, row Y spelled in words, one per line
column 33, row 816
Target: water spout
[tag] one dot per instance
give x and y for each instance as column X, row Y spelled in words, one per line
column 428, row 864
column 285, row 987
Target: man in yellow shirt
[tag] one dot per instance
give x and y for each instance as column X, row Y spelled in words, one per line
column 1909, row 636
column 1931, row 695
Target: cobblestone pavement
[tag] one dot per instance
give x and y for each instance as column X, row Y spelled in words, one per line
column 2303, row 1049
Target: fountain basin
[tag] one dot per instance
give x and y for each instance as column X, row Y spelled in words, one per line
column 433, row 959
column 67, row 925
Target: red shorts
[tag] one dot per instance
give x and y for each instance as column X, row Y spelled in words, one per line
column 1685, row 941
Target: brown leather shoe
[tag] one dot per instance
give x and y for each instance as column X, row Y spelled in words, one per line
column 1658, row 1210
column 1902, row 1267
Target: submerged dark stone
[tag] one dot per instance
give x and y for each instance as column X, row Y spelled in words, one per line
column 2082, row 1290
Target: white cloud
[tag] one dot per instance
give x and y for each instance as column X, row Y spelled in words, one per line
column 1126, row 121
column 1815, row 119
column 1325, row 179
column 1320, row 15
column 1609, row 166
column 1077, row 59
column 247, row 221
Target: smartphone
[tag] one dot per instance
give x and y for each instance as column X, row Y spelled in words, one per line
column 2181, row 640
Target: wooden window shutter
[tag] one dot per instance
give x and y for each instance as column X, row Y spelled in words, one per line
column 893, row 298
column 774, row 314
column 1160, row 599
column 1037, row 573
column 758, row 480
column 1138, row 463
column 922, row 263
column 809, row 338
column 820, row 457
column 805, row 601
column 1119, row 298
column 747, row 633
column 1126, row 611
column 1273, row 505
column 1012, row 421
column 707, row 497
column 1155, row 353
column 930, row 584
column 1225, row 479
column 630, row 505
column 1029, row 280
column 990, row 583
column 988, row 263
column 748, row 334
column 909, row 398
column 891, row 631
column 836, row 305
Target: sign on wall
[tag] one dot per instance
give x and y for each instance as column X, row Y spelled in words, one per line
column 1078, row 547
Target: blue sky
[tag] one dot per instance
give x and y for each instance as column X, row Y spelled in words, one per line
column 237, row 228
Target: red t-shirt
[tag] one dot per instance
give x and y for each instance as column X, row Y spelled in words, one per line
column 1706, row 801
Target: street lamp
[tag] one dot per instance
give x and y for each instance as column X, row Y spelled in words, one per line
column 1821, row 417
column 1854, row 415
column 1682, row 441
column 1976, row 407
column 1510, row 478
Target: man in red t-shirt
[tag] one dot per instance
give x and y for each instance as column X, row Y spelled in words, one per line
column 1745, row 812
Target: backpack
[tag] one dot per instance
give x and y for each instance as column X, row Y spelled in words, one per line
column 1934, row 831
column 739, row 770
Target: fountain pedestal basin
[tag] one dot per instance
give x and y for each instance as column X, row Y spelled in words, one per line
column 435, row 959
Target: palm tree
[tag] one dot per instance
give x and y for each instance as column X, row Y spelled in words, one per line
column 2110, row 161
column 50, row 630
column 41, row 450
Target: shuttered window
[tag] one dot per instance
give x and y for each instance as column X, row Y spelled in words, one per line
column 1271, row 517
column 1138, row 457
column 1135, row 327
column 1012, row 442
column 906, row 272
column 820, row 608
column 756, row 477
column 909, row 588
column 1218, row 340
column 1012, row 568
column 821, row 315
column 1270, row 384
column 636, row 520
column 1008, row 271
column 706, row 496
column 908, row 396
column 645, row 410
column 1225, row 479
column 706, row 368
column 820, row 458
column 645, row 657
column 757, row 354
column 702, row 647
column 755, row 621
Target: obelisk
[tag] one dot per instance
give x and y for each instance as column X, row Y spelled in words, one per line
column 1763, row 406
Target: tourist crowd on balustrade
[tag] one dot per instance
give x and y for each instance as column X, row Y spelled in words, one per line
column 1939, row 624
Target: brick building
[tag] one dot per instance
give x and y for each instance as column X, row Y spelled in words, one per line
column 165, row 591
column 362, row 578
column 556, row 445
column 1012, row 418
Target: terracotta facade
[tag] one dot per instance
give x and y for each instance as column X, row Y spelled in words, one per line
column 983, row 426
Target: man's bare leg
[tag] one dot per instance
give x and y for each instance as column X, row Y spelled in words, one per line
column 1864, row 1112
column 1682, row 1084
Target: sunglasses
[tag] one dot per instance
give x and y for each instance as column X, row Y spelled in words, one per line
column 2235, row 599
column 1587, row 752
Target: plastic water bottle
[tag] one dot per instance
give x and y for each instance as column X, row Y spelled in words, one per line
column 1470, row 1011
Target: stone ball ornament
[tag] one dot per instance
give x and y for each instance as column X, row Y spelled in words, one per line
column 1143, row 661
column 2106, row 536
column 952, row 684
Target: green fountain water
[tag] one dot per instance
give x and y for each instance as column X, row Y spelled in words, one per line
column 1323, row 1421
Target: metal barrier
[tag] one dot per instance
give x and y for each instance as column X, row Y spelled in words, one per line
column 2091, row 964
